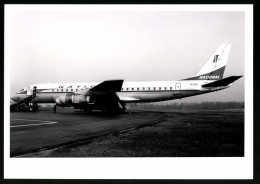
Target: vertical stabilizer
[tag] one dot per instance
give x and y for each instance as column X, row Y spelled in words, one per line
column 214, row 68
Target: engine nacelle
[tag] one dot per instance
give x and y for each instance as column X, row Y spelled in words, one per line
column 68, row 99
column 64, row 100
column 78, row 99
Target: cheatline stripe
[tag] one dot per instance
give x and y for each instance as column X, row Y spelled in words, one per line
column 46, row 122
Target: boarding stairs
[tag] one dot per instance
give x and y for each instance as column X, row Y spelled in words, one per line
column 25, row 104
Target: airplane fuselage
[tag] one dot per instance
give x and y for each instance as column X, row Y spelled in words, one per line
column 113, row 94
column 131, row 91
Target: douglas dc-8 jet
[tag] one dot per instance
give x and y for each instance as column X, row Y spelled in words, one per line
column 112, row 95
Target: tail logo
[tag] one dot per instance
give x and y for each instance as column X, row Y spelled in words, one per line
column 215, row 58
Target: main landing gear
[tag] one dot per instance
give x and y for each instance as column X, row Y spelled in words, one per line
column 121, row 107
column 54, row 108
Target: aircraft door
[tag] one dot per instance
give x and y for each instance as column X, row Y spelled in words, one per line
column 178, row 87
column 29, row 90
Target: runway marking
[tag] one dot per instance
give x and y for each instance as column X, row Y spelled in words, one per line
column 46, row 123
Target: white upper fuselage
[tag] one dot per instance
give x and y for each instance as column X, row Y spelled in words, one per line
column 127, row 86
column 146, row 91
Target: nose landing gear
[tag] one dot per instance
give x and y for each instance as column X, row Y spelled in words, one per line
column 33, row 106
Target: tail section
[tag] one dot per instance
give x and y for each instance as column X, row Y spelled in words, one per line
column 222, row 83
column 214, row 68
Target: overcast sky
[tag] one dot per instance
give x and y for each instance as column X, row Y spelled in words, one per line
column 56, row 44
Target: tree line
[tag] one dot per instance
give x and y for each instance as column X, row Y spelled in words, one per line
column 192, row 105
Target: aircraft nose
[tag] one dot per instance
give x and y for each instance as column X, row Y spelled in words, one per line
column 14, row 98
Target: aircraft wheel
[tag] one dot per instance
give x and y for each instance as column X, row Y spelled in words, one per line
column 88, row 110
column 122, row 110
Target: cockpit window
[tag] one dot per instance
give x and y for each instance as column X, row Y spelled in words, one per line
column 22, row 91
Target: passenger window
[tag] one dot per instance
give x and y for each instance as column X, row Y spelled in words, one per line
column 67, row 90
column 71, row 90
column 76, row 89
column 143, row 88
column 170, row 88
column 126, row 89
column 133, row 89
column 159, row 88
column 165, row 88
column 154, row 88
column 148, row 88
column 137, row 89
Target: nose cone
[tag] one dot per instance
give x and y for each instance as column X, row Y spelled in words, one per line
column 15, row 98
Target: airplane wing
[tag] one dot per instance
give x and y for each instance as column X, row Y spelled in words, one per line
column 103, row 87
column 110, row 85
column 104, row 94
column 222, row 82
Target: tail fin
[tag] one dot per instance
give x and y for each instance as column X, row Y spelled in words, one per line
column 214, row 68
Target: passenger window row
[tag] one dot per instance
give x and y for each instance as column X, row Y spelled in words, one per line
column 123, row 89
column 146, row 89
column 65, row 90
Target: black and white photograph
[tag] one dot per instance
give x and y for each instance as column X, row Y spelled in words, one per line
column 128, row 91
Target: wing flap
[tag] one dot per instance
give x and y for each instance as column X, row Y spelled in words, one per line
column 222, row 82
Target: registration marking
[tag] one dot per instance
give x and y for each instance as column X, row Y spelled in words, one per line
column 38, row 124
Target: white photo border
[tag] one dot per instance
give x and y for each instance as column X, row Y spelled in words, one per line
column 137, row 168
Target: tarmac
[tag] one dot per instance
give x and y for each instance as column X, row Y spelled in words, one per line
column 135, row 133
column 42, row 130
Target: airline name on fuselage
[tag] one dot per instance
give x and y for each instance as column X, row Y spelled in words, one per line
column 209, row 77
column 76, row 87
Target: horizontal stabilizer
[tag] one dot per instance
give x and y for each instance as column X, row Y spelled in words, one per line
column 110, row 85
column 222, row 82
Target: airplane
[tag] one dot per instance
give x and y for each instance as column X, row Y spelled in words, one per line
column 113, row 95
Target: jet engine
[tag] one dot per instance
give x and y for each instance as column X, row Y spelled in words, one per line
column 68, row 100
column 64, row 100
column 78, row 99
column 108, row 102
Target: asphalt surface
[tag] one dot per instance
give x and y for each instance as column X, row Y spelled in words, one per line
column 36, row 131
column 136, row 133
